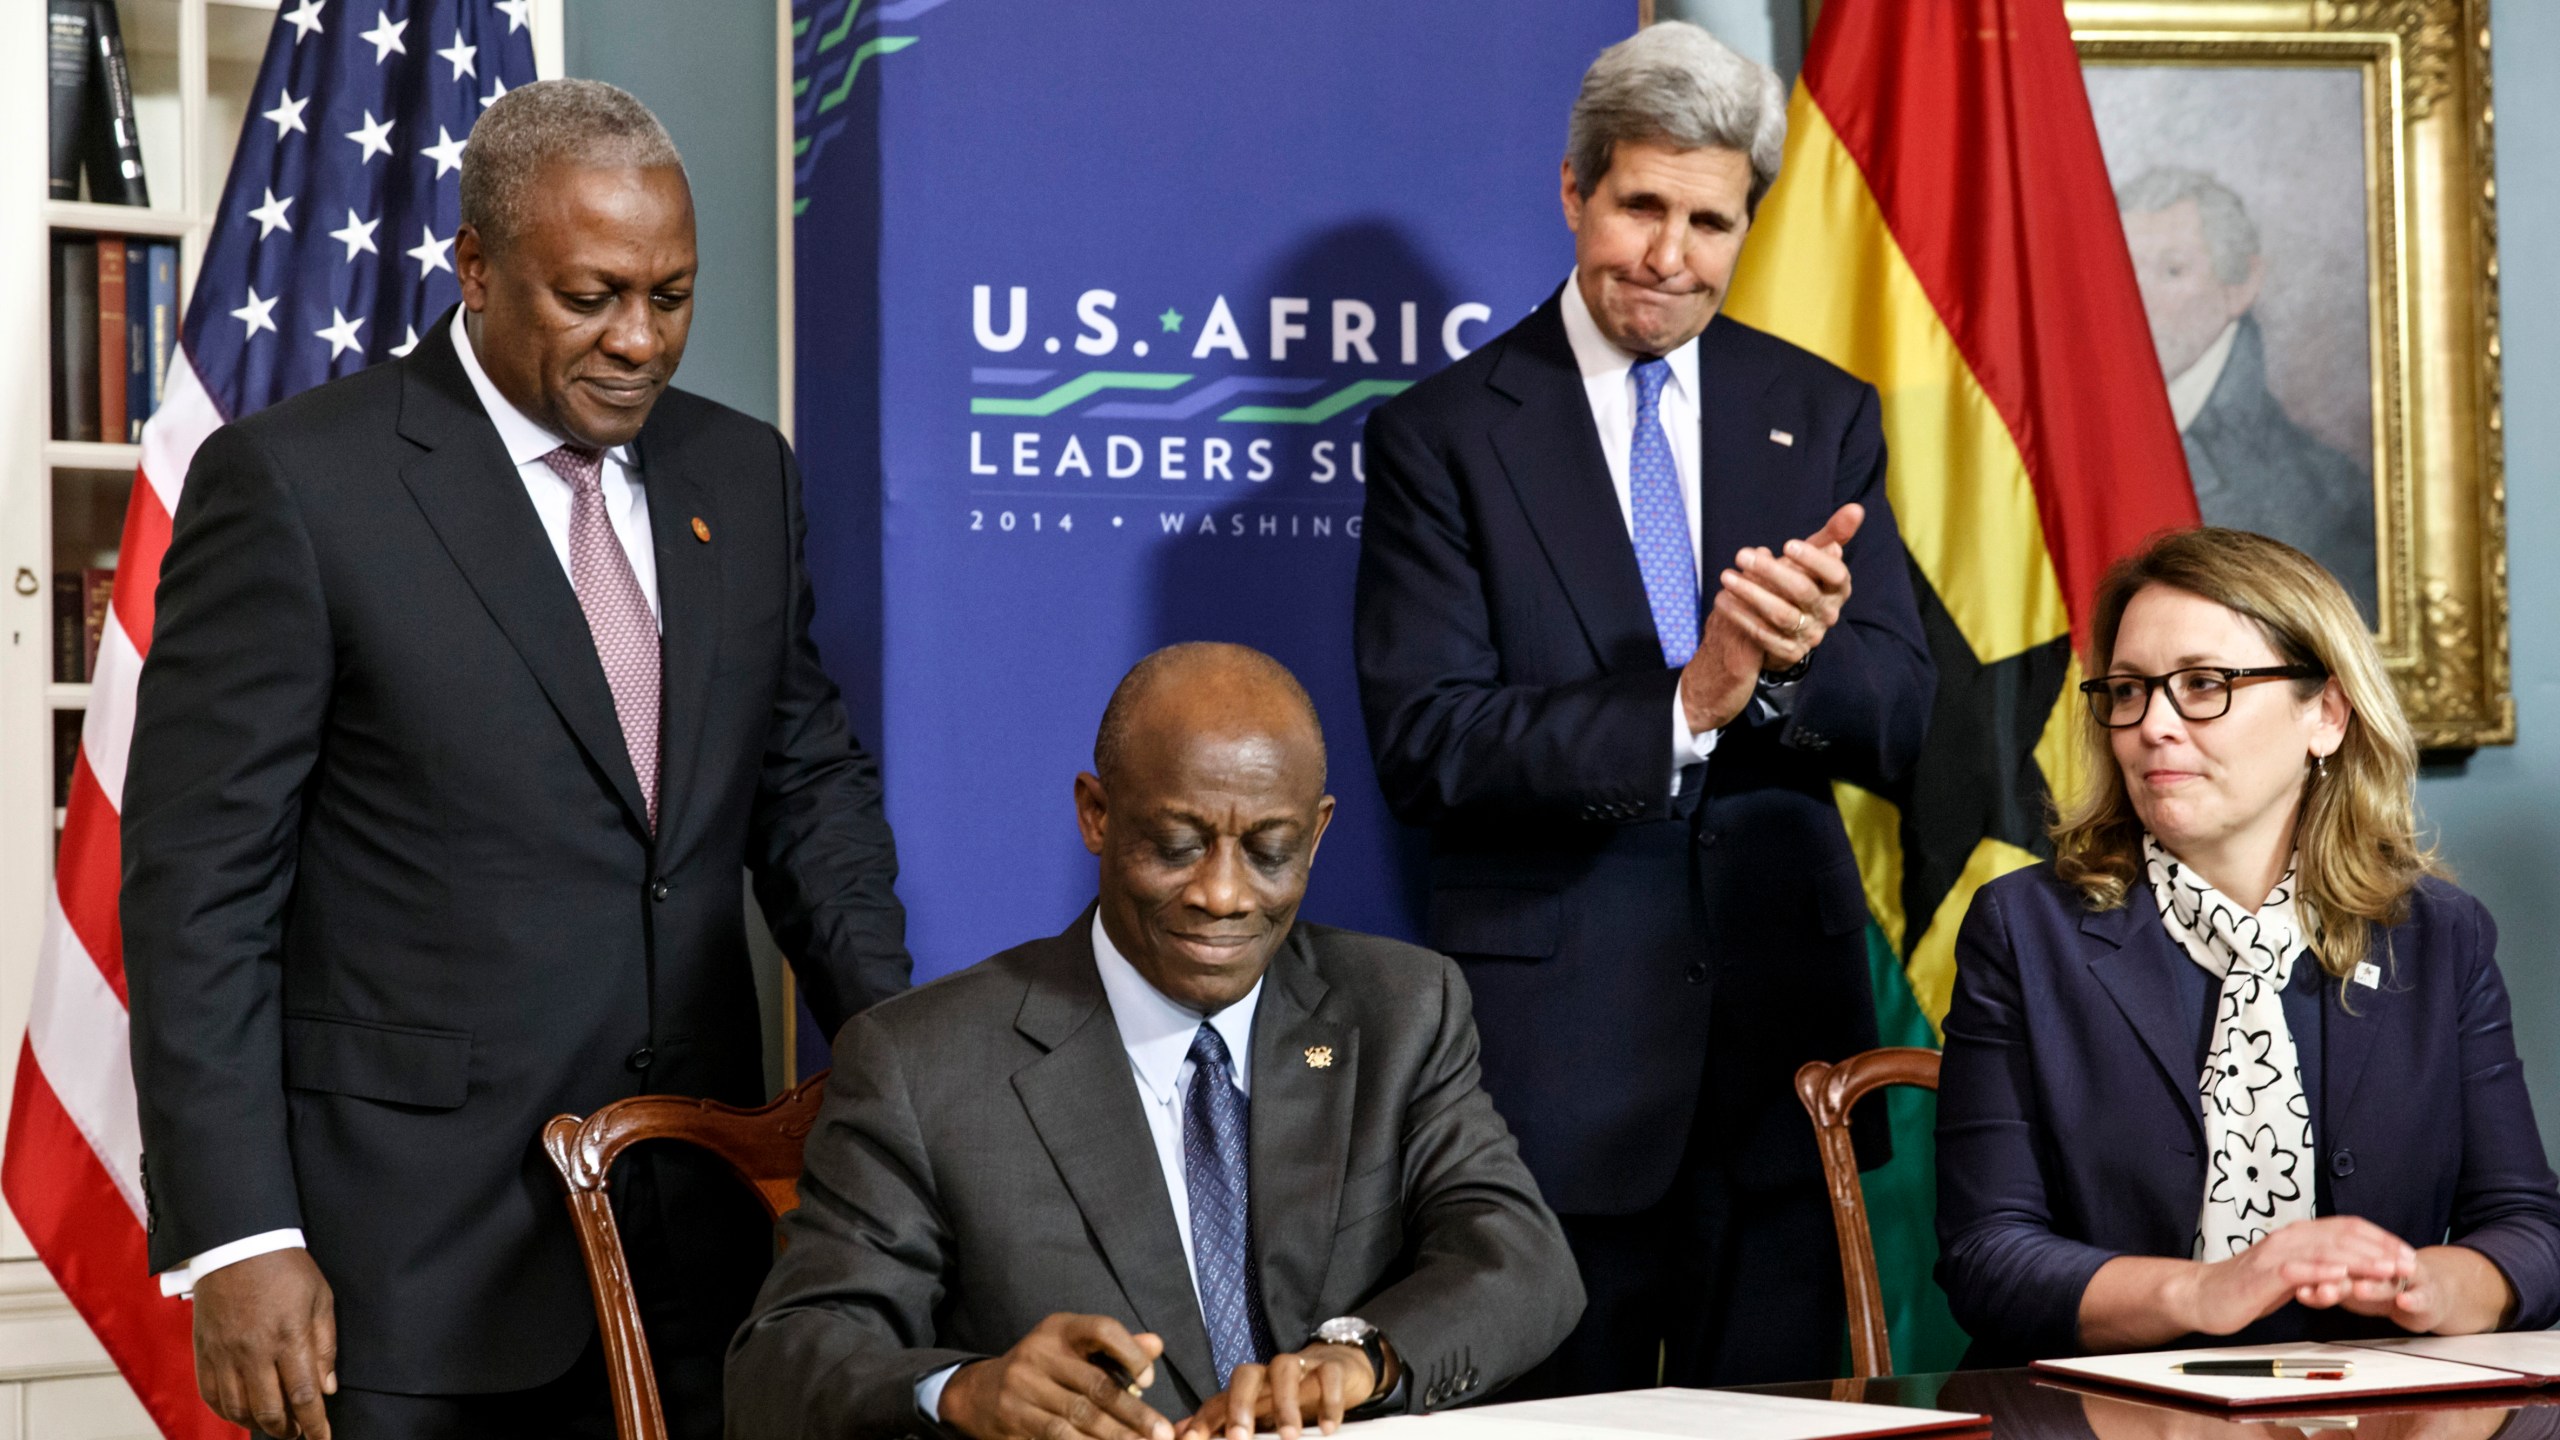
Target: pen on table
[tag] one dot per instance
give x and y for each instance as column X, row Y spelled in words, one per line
column 2281, row 1368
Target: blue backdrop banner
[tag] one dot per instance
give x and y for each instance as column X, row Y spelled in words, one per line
column 1092, row 301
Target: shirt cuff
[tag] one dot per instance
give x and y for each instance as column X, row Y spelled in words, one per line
column 182, row 1280
column 929, row 1391
column 1687, row 746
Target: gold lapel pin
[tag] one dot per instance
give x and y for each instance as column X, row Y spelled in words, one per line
column 1319, row 1057
column 701, row 531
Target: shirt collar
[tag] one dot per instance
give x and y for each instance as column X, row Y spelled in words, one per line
column 525, row 440
column 2194, row 385
column 1157, row 1032
column 1598, row 358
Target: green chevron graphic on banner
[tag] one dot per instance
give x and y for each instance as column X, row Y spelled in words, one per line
column 1092, row 382
column 878, row 45
column 1324, row 409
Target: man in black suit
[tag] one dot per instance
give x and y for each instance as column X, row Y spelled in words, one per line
column 1243, row 1159
column 478, row 679
column 1635, row 852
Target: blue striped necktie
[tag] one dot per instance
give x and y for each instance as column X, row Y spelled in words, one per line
column 1663, row 552
column 1214, row 1126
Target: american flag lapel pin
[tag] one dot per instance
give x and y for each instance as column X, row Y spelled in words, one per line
column 1783, row 437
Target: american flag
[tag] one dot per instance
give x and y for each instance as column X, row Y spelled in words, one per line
column 333, row 247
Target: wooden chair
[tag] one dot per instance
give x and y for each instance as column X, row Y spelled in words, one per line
column 761, row 1145
column 1829, row 1093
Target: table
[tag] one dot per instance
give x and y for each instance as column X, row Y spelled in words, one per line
column 2024, row 1405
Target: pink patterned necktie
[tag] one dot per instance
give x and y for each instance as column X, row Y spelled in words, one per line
column 626, row 634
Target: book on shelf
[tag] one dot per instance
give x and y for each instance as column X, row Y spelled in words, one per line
column 75, row 337
column 114, row 144
column 115, row 318
column 66, row 753
column 137, row 340
column 91, row 109
column 112, row 336
column 97, row 592
column 70, row 627
column 67, row 56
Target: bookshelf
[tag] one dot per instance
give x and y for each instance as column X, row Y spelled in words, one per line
column 193, row 65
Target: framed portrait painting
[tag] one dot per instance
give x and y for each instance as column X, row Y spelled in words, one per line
column 2307, row 196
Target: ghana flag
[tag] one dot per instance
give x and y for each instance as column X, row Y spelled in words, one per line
column 1943, row 228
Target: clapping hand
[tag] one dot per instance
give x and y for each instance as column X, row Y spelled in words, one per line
column 1770, row 613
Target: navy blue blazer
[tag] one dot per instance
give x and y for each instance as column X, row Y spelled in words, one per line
column 1518, row 706
column 2069, row 1129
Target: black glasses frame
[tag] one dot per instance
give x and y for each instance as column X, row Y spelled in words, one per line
column 2102, row 705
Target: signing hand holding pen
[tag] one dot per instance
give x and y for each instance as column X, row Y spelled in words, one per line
column 1048, row 1386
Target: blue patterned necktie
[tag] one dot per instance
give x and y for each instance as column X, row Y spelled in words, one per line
column 1663, row 552
column 1213, row 1169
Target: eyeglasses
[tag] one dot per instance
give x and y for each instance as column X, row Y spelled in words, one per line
column 2199, row 692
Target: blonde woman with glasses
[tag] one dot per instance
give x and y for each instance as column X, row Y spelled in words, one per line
column 2236, row 1066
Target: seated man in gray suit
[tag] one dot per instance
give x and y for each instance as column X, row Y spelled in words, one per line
column 1242, row 1161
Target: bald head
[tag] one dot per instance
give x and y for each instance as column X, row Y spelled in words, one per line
column 1205, row 806
column 1203, row 686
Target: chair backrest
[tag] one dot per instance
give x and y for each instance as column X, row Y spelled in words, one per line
column 762, row 1145
column 1829, row 1093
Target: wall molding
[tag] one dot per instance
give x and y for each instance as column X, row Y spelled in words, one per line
column 41, row 1336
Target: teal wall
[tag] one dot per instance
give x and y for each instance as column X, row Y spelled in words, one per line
column 706, row 67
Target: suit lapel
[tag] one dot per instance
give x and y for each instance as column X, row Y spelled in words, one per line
column 2347, row 1036
column 1083, row 1102
column 1550, row 450
column 1742, row 499
column 1306, row 1072
column 2133, row 960
column 689, row 604
column 471, row 496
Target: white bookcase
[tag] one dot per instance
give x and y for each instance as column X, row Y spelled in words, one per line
column 193, row 63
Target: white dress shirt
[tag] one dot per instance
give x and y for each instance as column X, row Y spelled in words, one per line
column 626, row 503
column 1609, row 381
column 626, row 500
column 1157, row 1034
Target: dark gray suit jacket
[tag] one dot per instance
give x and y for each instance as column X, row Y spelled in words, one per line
column 982, row 1162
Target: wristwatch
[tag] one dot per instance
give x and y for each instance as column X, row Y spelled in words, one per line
column 1370, row 1340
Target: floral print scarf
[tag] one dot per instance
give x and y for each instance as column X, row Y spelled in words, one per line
column 2257, row 1120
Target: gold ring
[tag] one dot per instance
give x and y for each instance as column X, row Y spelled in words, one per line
column 1803, row 617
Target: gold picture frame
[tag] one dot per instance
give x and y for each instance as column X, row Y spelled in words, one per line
column 2418, row 70
column 2434, row 397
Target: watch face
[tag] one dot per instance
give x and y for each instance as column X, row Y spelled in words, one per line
column 1343, row 1330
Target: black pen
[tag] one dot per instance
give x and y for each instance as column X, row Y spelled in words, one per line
column 2295, row 1367
column 1102, row 1361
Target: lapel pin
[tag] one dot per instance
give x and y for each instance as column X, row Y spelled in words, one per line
column 1319, row 1057
column 1783, row 437
column 2369, row 975
column 701, row 531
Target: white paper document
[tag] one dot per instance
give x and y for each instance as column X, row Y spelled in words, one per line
column 1690, row 1414
column 2533, row 1355
column 2376, row 1372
